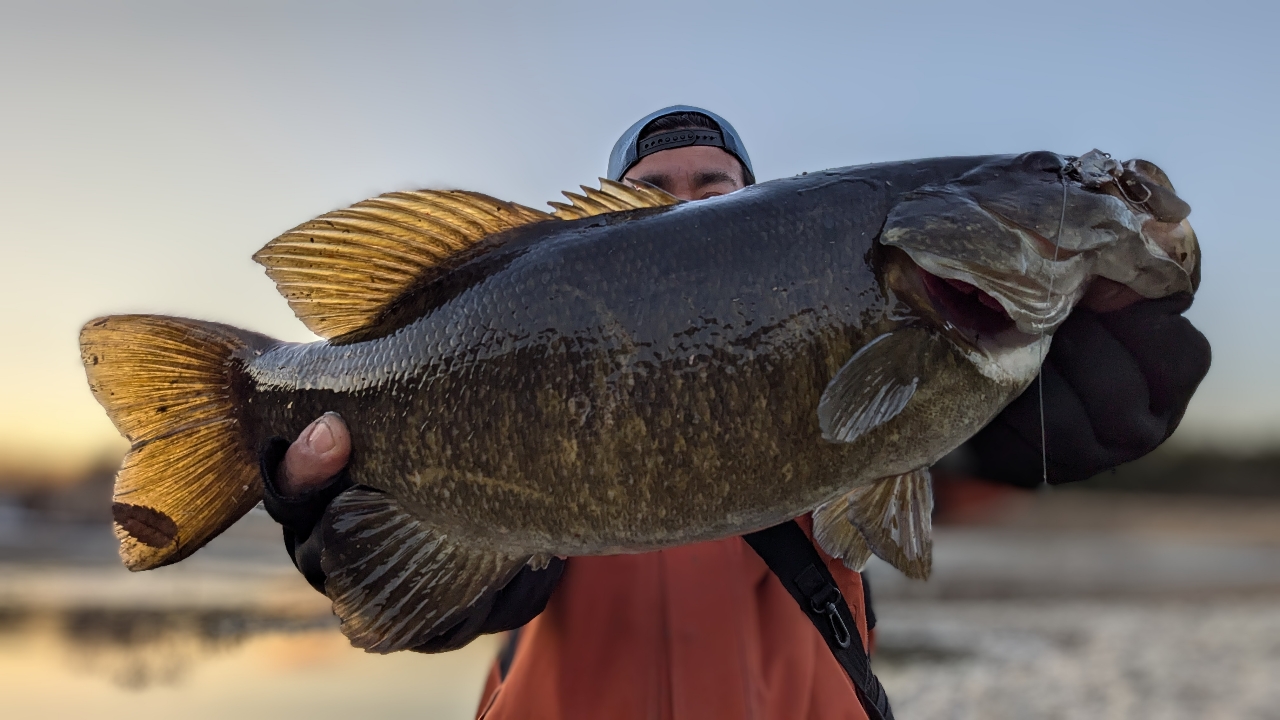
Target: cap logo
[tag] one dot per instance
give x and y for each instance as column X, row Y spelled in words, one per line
column 678, row 138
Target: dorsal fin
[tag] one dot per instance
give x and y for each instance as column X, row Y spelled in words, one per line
column 342, row 269
column 611, row 197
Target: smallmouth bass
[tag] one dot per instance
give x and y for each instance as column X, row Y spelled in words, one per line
column 630, row 372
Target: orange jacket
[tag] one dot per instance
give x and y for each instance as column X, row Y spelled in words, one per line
column 696, row 632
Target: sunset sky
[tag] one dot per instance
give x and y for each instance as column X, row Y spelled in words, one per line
column 147, row 149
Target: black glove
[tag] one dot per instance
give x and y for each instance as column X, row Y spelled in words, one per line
column 1115, row 386
column 507, row 608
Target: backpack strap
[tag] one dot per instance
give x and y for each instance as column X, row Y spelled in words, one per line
column 791, row 556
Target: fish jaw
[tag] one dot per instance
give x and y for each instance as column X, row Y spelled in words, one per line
column 975, row 322
column 1034, row 231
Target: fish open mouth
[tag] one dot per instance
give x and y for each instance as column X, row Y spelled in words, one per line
column 965, row 306
column 973, row 320
column 969, row 315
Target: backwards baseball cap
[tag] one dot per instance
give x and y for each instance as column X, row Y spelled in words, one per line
column 629, row 150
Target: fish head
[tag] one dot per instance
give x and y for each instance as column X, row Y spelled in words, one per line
column 998, row 257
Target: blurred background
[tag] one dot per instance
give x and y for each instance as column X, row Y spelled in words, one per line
column 147, row 149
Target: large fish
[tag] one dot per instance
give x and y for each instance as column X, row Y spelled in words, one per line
column 629, row 373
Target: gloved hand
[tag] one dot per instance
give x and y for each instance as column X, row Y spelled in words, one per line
column 301, row 479
column 1116, row 385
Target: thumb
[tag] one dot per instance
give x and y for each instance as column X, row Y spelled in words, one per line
column 319, row 453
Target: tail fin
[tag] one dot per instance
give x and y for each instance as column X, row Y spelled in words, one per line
column 174, row 389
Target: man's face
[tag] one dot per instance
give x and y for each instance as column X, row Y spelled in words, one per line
column 695, row 172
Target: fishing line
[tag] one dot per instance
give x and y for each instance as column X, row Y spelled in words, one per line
column 1057, row 237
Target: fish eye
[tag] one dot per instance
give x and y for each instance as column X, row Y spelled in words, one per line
column 1043, row 161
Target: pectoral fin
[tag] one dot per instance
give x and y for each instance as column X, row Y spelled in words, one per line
column 394, row 581
column 895, row 517
column 875, row 385
column 835, row 533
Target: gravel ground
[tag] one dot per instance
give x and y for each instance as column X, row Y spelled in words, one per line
column 1016, row 659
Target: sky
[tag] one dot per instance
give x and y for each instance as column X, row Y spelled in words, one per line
column 148, row 149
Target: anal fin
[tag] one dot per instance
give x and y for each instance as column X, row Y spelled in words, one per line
column 394, row 581
column 895, row 517
column 838, row 537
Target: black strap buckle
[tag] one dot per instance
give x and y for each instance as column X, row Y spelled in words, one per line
column 841, row 631
column 825, row 599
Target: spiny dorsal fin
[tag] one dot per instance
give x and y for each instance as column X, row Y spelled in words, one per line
column 340, row 271
column 611, row 197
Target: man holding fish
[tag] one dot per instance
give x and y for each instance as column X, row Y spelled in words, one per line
column 698, row 626
column 653, row 597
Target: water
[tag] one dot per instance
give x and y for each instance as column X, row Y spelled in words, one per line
column 233, row 631
column 1060, row 605
column 204, row 666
